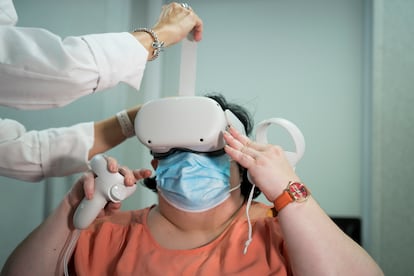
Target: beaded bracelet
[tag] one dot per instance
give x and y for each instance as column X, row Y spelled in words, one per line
column 157, row 45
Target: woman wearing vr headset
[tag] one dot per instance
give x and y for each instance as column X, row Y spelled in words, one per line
column 185, row 234
column 45, row 71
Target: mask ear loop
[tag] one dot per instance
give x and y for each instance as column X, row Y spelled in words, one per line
column 249, row 203
column 234, row 188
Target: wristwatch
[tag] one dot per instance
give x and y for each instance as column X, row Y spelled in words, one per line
column 295, row 191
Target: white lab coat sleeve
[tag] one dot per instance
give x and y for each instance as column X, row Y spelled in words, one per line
column 8, row 15
column 40, row 70
column 35, row 155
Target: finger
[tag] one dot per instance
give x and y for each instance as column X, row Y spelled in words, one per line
column 237, row 135
column 76, row 193
column 245, row 141
column 142, row 173
column 129, row 177
column 246, row 148
column 89, row 184
column 193, row 22
column 232, row 141
column 243, row 159
column 112, row 164
column 198, row 29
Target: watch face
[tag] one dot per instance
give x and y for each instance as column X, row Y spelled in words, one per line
column 298, row 191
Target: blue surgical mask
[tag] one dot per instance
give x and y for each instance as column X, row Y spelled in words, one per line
column 194, row 182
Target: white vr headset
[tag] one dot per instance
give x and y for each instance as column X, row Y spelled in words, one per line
column 189, row 123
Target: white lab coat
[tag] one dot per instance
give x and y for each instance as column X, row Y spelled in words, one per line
column 40, row 70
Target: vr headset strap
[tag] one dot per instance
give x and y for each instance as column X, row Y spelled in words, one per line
column 188, row 68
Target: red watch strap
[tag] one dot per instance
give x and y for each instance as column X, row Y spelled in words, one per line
column 282, row 200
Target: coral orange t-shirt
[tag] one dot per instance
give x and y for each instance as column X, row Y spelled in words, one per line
column 123, row 245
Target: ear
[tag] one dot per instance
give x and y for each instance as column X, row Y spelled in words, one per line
column 154, row 163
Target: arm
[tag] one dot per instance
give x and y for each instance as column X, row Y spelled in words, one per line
column 316, row 245
column 39, row 253
column 34, row 155
column 108, row 133
column 46, row 71
column 42, row 251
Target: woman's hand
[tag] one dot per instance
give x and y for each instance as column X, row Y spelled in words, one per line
column 85, row 186
column 267, row 164
column 176, row 22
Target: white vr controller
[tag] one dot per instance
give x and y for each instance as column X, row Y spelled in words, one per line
column 293, row 130
column 108, row 187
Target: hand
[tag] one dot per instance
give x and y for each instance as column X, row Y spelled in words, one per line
column 85, row 186
column 267, row 164
column 176, row 22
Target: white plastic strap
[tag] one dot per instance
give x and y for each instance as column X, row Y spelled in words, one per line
column 188, row 68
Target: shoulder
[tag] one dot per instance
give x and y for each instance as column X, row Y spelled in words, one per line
column 121, row 219
column 263, row 218
column 261, row 210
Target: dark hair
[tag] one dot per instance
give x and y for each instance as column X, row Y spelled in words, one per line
column 246, row 119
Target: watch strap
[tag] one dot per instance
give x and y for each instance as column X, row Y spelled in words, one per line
column 281, row 201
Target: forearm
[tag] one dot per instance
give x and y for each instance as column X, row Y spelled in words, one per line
column 315, row 245
column 42, row 250
column 34, row 155
column 318, row 247
column 60, row 71
column 108, row 133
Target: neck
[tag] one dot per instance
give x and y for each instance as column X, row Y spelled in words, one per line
column 176, row 229
column 217, row 218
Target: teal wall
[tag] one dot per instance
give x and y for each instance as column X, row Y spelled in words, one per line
column 300, row 60
column 393, row 136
